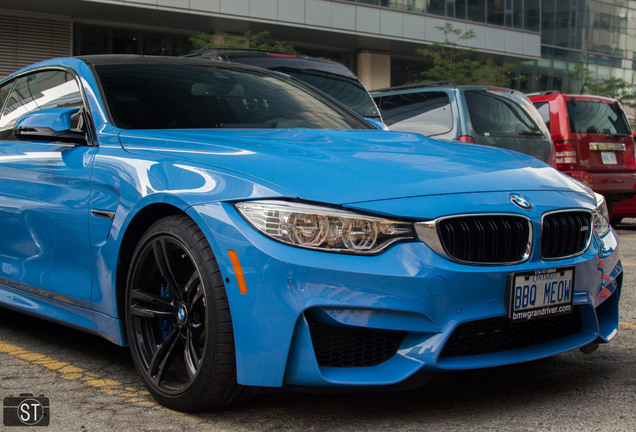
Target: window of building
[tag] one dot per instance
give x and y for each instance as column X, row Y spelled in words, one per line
column 476, row 11
column 460, row 9
column 90, row 39
column 495, row 12
column 532, row 15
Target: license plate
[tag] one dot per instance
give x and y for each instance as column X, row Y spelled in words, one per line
column 540, row 293
column 609, row 158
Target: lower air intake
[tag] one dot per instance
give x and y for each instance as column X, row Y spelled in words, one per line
column 345, row 346
column 500, row 334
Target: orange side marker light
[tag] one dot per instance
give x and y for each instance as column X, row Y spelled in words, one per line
column 238, row 271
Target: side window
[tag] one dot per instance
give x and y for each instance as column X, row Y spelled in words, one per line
column 544, row 110
column 4, row 92
column 428, row 113
column 39, row 91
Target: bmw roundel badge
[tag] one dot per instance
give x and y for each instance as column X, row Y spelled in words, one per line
column 521, row 202
column 181, row 314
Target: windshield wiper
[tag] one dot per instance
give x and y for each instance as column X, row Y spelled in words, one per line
column 531, row 133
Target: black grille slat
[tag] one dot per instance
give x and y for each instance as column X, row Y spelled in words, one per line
column 500, row 334
column 505, row 248
column 565, row 234
column 346, row 346
column 480, row 239
column 485, row 238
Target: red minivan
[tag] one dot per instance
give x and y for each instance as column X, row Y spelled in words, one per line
column 593, row 141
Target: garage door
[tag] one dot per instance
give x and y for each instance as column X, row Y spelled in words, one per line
column 27, row 39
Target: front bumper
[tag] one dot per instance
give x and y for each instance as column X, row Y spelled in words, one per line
column 614, row 186
column 380, row 319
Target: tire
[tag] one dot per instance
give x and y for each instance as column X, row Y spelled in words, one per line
column 178, row 319
column 615, row 221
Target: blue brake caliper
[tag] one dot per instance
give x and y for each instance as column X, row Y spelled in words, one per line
column 165, row 326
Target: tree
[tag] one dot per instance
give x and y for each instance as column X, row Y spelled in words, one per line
column 580, row 74
column 452, row 62
column 256, row 41
column 616, row 88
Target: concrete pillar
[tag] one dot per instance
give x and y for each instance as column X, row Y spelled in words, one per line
column 374, row 69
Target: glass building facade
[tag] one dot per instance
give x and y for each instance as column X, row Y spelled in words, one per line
column 599, row 34
column 594, row 33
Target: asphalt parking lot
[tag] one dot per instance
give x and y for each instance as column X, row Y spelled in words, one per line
column 91, row 385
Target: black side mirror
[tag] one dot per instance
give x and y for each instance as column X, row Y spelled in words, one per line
column 50, row 125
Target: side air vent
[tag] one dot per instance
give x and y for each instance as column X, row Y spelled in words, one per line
column 346, row 346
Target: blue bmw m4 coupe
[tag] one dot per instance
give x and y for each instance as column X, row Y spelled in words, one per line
column 238, row 229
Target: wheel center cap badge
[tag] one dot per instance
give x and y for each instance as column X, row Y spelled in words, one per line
column 521, row 202
column 181, row 314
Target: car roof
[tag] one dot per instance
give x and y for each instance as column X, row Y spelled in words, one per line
column 119, row 59
column 112, row 59
column 122, row 59
column 273, row 60
column 434, row 86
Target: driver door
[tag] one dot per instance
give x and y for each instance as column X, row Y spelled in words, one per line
column 44, row 196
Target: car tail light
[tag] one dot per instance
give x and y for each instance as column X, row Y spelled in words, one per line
column 565, row 155
column 630, row 158
column 466, row 138
column 276, row 54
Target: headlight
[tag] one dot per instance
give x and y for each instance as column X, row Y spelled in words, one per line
column 323, row 228
column 601, row 216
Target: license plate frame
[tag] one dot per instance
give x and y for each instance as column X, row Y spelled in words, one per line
column 553, row 293
column 609, row 158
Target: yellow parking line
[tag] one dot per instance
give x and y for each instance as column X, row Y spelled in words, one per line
column 629, row 264
column 69, row 372
column 108, row 386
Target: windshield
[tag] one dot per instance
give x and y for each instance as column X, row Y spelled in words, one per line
column 597, row 117
column 156, row 95
column 503, row 113
column 346, row 90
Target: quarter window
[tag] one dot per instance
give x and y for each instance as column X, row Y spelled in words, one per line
column 544, row 111
column 495, row 113
column 428, row 113
column 4, row 92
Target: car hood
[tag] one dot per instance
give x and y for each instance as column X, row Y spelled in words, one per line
column 341, row 167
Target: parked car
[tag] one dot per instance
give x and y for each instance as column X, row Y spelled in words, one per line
column 331, row 77
column 623, row 209
column 593, row 141
column 493, row 116
column 236, row 228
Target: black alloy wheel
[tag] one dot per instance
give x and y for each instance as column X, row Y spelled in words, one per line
column 178, row 319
